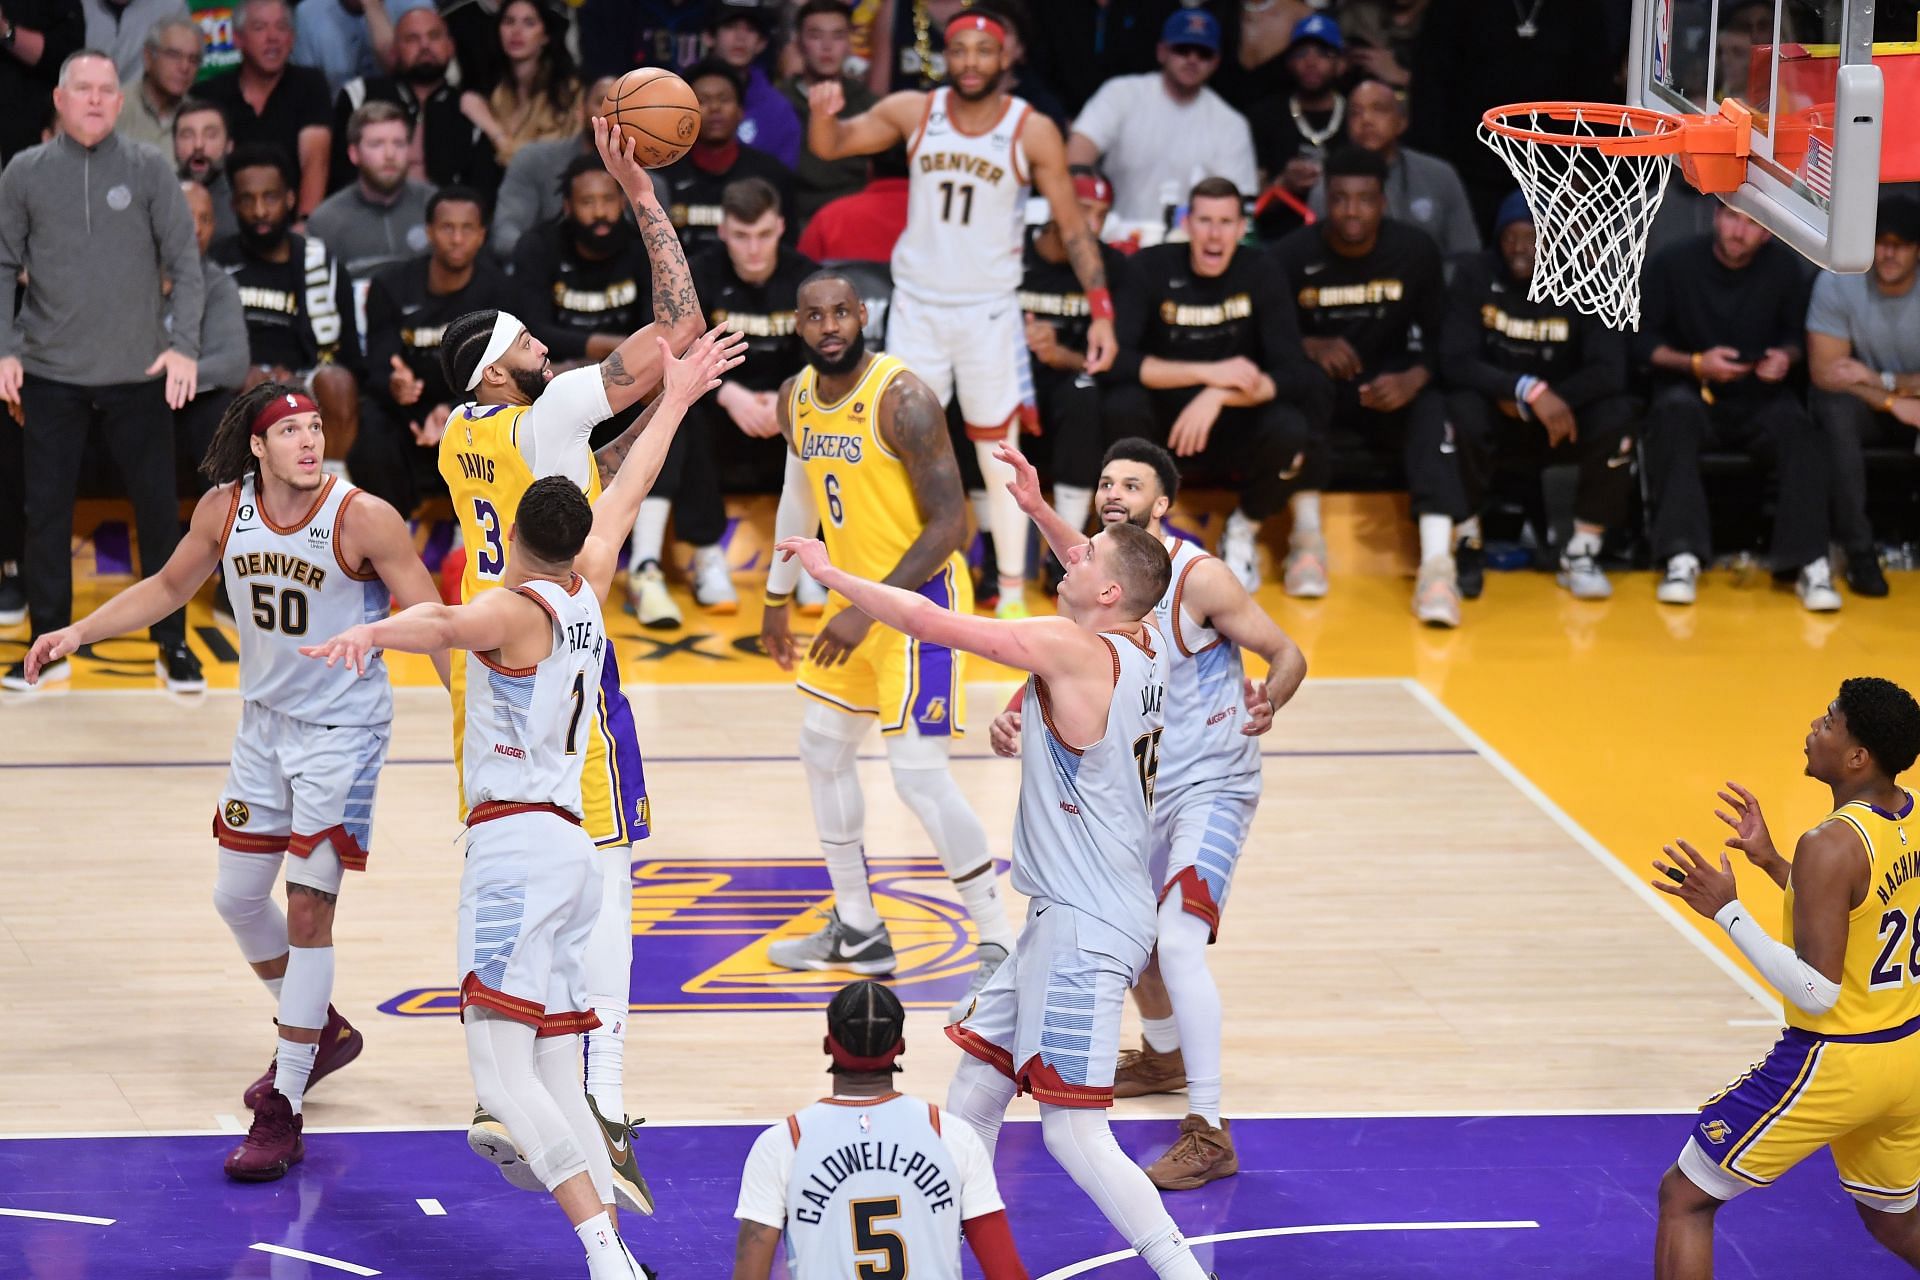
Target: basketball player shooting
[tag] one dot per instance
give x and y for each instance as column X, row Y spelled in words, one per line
column 1845, row 1073
column 1048, row 1021
column 304, row 553
column 524, row 423
column 869, row 448
column 1203, row 799
column 531, row 887
column 972, row 150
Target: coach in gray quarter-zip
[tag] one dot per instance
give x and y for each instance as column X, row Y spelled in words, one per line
column 96, row 223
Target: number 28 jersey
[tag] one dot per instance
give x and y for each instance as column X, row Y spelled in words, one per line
column 1880, row 972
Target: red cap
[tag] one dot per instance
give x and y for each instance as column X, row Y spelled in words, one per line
column 281, row 407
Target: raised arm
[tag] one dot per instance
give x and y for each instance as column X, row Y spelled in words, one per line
column 480, row 627
column 1025, row 488
column 1047, row 157
column 887, row 123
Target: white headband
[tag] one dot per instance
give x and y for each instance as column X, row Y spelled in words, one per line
column 506, row 330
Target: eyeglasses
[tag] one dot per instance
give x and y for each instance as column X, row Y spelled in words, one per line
column 1199, row 51
column 180, row 55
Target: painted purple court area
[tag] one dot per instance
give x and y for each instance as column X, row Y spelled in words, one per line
column 1316, row 1198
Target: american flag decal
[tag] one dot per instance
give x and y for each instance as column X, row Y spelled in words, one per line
column 1817, row 171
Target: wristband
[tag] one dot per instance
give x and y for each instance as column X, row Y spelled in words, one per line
column 1100, row 303
column 777, row 599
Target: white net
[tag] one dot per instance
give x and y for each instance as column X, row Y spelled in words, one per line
column 1591, row 209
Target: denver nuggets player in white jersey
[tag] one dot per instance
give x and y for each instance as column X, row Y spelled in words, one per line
column 973, row 152
column 870, row 1181
column 530, row 887
column 303, row 554
column 1048, row 1020
column 1203, row 801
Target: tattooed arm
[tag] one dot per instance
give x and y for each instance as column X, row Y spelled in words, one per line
column 632, row 372
column 1047, row 158
column 914, row 426
column 754, row 1249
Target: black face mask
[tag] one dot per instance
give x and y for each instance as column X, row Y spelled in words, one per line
column 847, row 360
column 425, row 73
column 530, row 381
column 259, row 244
column 592, row 240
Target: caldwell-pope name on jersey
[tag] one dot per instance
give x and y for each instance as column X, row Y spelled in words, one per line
column 877, row 1157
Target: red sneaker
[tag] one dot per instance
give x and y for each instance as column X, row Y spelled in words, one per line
column 339, row 1045
column 272, row 1146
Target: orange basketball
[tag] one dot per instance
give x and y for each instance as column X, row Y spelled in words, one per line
column 657, row 109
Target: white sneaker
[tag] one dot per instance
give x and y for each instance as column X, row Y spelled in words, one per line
column 1680, row 586
column 713, row 581
column 1815, row 588
column 1583, row 576
column 1305, row 575
column 810, row 596
column 1240, row 551
column 647, row 588
column 1436, row 593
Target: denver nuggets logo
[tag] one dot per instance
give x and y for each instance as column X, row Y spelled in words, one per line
column 237, row 814
column 1716, row 1132
column 936, row 712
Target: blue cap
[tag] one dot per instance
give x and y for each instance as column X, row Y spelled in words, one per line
column 1513, row 209
column 1318, row 26
column 1191, row 26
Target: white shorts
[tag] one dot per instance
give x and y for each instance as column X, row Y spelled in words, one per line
column 529, row 895
column 293, row 786
column 1198, row 832
column 1049, row 1018
column 978, row 348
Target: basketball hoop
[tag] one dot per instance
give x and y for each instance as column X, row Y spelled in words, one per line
column 1594, row 174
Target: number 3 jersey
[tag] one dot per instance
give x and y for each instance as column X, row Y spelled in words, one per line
column 1083, row 826
column 1880, row 972
column 526, row 728
column 290, row 586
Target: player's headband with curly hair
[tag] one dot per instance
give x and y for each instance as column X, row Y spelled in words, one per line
column 280, row 407
column 506, row 329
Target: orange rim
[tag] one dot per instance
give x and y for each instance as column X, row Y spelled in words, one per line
column 1654, row 132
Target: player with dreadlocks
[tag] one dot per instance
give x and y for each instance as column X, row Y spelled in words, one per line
column 303, row 553
column 923, row 1179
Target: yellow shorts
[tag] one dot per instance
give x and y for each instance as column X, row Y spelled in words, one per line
column 897, row 678
column 1860, row 1097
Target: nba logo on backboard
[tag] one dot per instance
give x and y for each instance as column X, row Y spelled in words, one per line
column 1662, row 41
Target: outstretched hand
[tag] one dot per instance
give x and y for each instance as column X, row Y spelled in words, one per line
column 811, row 552
column 1703, row 886
column 354, row 646
column 1025, row 485
column 617, row 153
column 686, row 378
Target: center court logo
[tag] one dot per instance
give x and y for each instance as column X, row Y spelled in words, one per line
column 701, row 928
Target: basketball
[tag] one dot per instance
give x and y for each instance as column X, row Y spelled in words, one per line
column 657, row 109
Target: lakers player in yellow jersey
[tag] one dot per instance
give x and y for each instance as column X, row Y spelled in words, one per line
column 1845, row 1074
column 870, row 462
column 521, row 424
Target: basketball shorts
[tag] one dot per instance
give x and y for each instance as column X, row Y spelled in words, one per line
column 901, row 680
column 1198, row 831
column 529, row 894
column 1049, row 1018
column 1858, row 1095
column 613, row 781
column 977, row 349
column 292, row 786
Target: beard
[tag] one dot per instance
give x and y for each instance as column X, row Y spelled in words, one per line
column 531, row 381
column 262, row 243
column 846, row 361
column 986, row 90
column 425, row 73
column 605, row 239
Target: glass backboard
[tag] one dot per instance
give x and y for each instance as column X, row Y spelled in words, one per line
column 1807, row 71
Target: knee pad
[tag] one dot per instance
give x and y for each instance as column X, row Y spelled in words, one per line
column 243, row 895
column 830, row 740
column 1182, row 936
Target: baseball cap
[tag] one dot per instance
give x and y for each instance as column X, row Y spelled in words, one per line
column 1191, row 26
column 721, row 12
column 1513, row 209
column 1319, row 27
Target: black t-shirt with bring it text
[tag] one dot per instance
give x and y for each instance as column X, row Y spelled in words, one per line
column 1389, row 303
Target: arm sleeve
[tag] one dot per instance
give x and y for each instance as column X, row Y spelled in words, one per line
column 1100, row 119
column 797, row 516
column 223, row 333
column 1802, row 985
column 1463, row 364
column 979, row 1193
column 763, row 1182
column 179, row 257
column 553, row 433
column 14, row 223
column 1603, row 367
column 1827, row 308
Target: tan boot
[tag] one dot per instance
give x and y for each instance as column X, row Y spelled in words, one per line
column 1198, row 1156
column 1142, row 1071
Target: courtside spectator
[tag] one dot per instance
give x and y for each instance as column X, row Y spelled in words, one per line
column 824, row 36
column 409, row 306
column 531, row 192
column 718, row 158
column 1863, row 353
column 1535, row 383
column 1156, row 134
column 1722, row 322
column 583, row 277
column 270, row 102
column 102, row 222
column 1371, row 302
column 539, row 96
column 1293, row 131
column 1210, row 365
column 382, row 218
column 36, row 38
column 346, row 38
column 118, row 28
column 1421, row 189
column 862, row 227
column 201, row 147
column 171, row 60
column 444, row 147
column 222, row 364
column 739, row 31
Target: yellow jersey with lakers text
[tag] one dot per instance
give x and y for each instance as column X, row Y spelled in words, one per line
column 1880, row 976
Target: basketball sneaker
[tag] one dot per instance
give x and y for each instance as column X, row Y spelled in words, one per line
column 489, row 1139
column 1864, row 574
column 992, row 955
column 1201, row 1154
column 713, row 581
column 1010, row 606
column 652, row 605
column 53, row 673
column 1305, row 574
column 339, row 1045
column 1146, row 1070
column 1583, row 576
column 837, row 945
column 629, row 1187
column 180, row 669
column 1240, row 551
column 1436, row 593
column 273, row 1143
column 1681, row 583
column 1815, row 587
column 1470, row 567
column 810, row 598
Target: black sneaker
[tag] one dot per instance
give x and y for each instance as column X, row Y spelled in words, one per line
column 1864, row 577
column 13, row 601
column 180, row 669
column 1470, row 568
column 53, row 673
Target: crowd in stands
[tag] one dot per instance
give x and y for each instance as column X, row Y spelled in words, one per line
column 1320, row 273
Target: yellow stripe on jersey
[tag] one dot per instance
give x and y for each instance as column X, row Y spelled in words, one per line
column 1880, row 974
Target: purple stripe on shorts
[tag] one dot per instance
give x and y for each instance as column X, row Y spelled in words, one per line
column 1731, row 1121
column 629, row 773
column 932, row 709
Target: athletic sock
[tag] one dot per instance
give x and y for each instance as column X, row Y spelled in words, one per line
column 1306, row 514
column 1584, row 543
column 1170, row 1256
column 304, row 994
column 1074, row 504
column 847, row 868
column 606, row 1062
column 1004, row 517
column 982, row 513
column 1468, row 530
column 650, row 530
column 1162, row 1034
column 980, row 894
column 293, row 1067
column 598, row 1236
column 1436, row 537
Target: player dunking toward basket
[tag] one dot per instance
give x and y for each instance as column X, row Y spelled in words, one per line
column 972, row 151
column 1204, row 796
column 869, row 450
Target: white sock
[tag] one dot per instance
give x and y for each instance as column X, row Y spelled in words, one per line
column 607, row 1061
column 609, row 974
column 598, row 1236
column 274, row 985
column 293, row 1066
column 1074, row 504
column 304, row 993
column 1306, row 513
column 852, row 896
column 1240, row 525
column 980, row 894
column 1196, row 1003
column 1468, row 529
column 1162, row 1034
column 982, row 514
column 650, row 530
column 1004, row 516
column 1436, row 537
column 1170, row 1256
column 1583, row 543
column 1083, row 1144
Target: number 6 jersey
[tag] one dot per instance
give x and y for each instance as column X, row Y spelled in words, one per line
column 288, row 587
